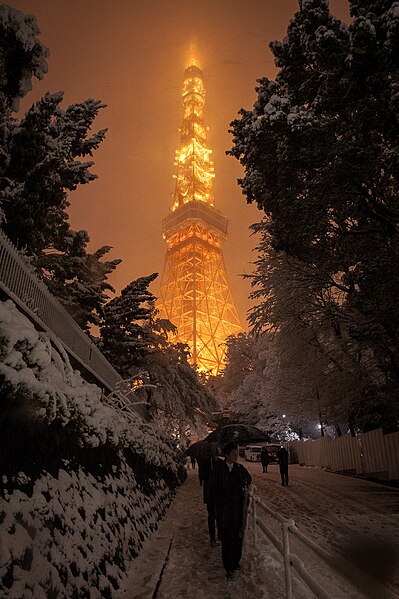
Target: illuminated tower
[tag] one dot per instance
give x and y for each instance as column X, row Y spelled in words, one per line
column 194, row 292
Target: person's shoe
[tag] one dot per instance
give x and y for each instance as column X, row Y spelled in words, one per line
column 213, row 543
column 229, row 575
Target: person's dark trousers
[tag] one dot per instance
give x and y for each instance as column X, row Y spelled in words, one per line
column 211, row 522
column 231, row 548
column 284, row 475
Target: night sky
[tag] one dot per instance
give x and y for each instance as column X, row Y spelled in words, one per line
column 131, row 54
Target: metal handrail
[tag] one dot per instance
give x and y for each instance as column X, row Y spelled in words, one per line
column 283, row 547
column 20, row 283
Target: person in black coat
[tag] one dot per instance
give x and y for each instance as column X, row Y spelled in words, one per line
column 264, row 458
column 282, row 456
column 227, row 493
column 205, row 471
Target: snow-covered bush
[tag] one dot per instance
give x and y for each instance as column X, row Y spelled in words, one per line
column 82, row 485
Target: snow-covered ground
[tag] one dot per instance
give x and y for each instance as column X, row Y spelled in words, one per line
column 356, row 520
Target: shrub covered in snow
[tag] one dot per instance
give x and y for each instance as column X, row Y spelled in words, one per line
column 82, row 484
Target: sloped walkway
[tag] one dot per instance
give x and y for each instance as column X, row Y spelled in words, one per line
column 355, row 520
column 178, row 562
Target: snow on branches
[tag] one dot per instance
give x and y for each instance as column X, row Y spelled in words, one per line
column 319, row 151
column 42, row 158
column 22, row 55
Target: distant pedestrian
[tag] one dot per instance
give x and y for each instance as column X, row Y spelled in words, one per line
column 282, row 456
column 205, row 471
column 193, row 462
column 229, row 483
column 264, row 458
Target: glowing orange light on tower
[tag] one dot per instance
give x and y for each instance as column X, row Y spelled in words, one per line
column 194, row 291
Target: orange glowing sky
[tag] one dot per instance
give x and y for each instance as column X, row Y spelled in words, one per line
column 131, row 54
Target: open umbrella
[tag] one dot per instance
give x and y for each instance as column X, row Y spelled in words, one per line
column 242, row 434
column 202, row 449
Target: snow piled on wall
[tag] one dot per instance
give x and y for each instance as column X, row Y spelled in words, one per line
column 71, row 526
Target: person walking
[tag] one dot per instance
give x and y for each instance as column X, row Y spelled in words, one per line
column 193, row 462
column 205, row 471
column 229, row 483
column 264, row 458
column 282, row 456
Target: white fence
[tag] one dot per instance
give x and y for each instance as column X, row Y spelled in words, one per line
column 290, row 560
column 373, row 454
column 21, row 284
column 328, row 575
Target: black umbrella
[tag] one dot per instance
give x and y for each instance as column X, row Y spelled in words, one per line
column 237, row 433
column 202, row 449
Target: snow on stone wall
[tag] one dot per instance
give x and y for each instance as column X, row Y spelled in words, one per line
column 82, row 486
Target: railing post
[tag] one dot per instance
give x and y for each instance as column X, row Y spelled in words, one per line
column 287, row 561
column 254, row 524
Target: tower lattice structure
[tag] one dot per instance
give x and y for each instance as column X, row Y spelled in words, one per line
column 194, row 291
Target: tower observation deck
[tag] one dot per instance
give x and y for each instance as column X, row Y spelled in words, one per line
column 194, row 291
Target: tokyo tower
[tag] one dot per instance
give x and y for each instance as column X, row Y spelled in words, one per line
column 194, row 291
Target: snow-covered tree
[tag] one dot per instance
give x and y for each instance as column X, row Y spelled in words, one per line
column 79, row 278
column 22, row 54
column 134, row 339
column 125, row 334
column 319, row 154
column 310, row 322
column 181, row 402
column 266, row 396
column 44, row 151
column 40, row 163
column 237, row 364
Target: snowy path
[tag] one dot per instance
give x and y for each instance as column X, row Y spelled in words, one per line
column 353, row 518
column 194, row 570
